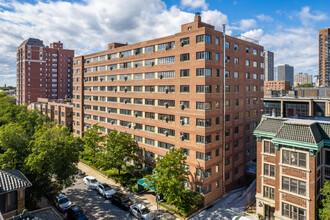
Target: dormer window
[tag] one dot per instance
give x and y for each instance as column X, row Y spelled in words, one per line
column 189, row 28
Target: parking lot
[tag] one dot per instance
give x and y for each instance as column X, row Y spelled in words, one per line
column 96, row 206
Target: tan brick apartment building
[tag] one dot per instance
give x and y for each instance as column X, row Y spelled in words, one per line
column 167, row 92
column 276, row 86
column 44, row 72
column 324, row 58
column 57, row 110
column 293, row 161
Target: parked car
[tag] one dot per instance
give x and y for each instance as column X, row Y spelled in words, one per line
column 140, row 212
column 91, row 182
column 75, row 212
column 105, row 190
column 62, row 202
column 121, row 200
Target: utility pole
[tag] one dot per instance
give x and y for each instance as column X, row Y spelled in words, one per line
column 224, row 113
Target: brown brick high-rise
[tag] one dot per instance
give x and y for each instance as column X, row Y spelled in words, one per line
column 324, row 58
column 44, row 72
column 167, row 92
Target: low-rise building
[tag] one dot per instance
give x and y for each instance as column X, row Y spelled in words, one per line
column 307, row 102
column 293, row 162
column 12, row 192
column 270, row 86
column 57, row 110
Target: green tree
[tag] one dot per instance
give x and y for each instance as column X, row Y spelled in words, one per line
column 92, row 140
column 170, row 176
column 119, row 149
column 14, row 143
column 324, row 212
column 55, row 154
column 306, row 85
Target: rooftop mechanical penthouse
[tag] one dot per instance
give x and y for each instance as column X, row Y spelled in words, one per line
column 168, row 92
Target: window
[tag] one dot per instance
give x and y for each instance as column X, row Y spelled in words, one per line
column 217, row 41
column 204, row 122
column 184, row 120
column 185, row 57
column 236, row 75
column 149, row 115
column 227, row 118
column 204, row 55
column 255, row 64
column 166, row 131
column 164, row 145
column 149, row 141
column 184, row 41
column 150, row 62
column 227, row 74
column 247, row 62
column 293, row 212
column 149, row 88
column 235, row 46
column 247, row 88
column 166, row 46
column 185, row 104
column 203, row 38
column 294, row 186
column 166, row 60
column 236, row 102
column 269, row 192
column 269, row 147
column 169, row 103
column 236, row 88
column 203, row 139
column 186, row 151
column 204, row 89
column 203, row 72
column 184, row 73
column 217, row 57
column 204, row 105
column 166, row 74
column 149, row 128
column 255, row 52
column 200, row 156
column 236, row 60
column 149, row 75
column 138, row 76
column 184, row 89
column 247, row 75
column 294, row 158
column 149, row 49
column 138, row 88
column 227, row 88
column 247, row 50
column 269, row 170
column 227, row 45
column 149, row 102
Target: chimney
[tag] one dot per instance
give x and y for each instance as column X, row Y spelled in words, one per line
column 197, row 17
column 273, row 112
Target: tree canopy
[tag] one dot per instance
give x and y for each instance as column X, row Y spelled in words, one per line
column 324, row 212
column 92, row 140
column 170, row 176
column 119, row 149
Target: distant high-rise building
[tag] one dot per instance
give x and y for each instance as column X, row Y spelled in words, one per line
column 275, row 74
column 269, row 65
column 44, row 72
column 324, row 58
column 316, row 81
column 302, row 78
column 285, row 73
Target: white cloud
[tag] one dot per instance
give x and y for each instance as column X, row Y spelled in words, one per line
column 215, row 18
column 255, row 34
column 244, row 24
column 306, row 16
column 263, row 17
column 294, row 46
column 192, row 4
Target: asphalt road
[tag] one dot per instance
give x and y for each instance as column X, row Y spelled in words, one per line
column 96, row 206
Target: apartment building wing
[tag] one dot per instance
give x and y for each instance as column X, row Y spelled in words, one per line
column 324, row 67
column 292, row 165
column 167, row 93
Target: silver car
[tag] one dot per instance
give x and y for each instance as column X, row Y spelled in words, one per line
column 91, row 182
column 105, row 190
column 62, row 202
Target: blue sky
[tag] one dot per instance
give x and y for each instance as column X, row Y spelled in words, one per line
column 288, row 28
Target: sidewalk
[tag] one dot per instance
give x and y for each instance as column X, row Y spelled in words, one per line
column 147, row 199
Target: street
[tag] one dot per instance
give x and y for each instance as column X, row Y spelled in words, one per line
column 94, row 204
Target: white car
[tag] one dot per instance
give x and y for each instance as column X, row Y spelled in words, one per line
column 105, row 190
column 91, row 182
column 140, row 212
column 62, row 202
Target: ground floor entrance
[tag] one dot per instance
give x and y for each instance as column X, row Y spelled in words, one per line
column 269, row 212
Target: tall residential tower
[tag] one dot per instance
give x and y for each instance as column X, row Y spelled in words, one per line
column 324, row 58
column 44, row 72
column 269, row 65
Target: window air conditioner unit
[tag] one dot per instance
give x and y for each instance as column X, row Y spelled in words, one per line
column 182, row 137
column 112, row 79
column 125, row 78
column 129, row 125
column 111, row 68
column 125, row 101
column 136, row 65
column 182, row 106
column 136, row 114
column 161, row 77
column 136, row 52
column 166, row 119
column 166, row 90
column 112, row 122
column 152, row 63
column 121, row 55
column 115, row 89
column 182, row 122
column 166, row 104
column 166, row 133
column 181, row 44
column 109, row 111
column 134, row 126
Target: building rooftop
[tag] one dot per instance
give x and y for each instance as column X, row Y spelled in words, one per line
column 11, row 180
column 40, row 214
column 305, row 133
column 33, row 42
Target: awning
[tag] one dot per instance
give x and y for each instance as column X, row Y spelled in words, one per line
column 145, row 184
